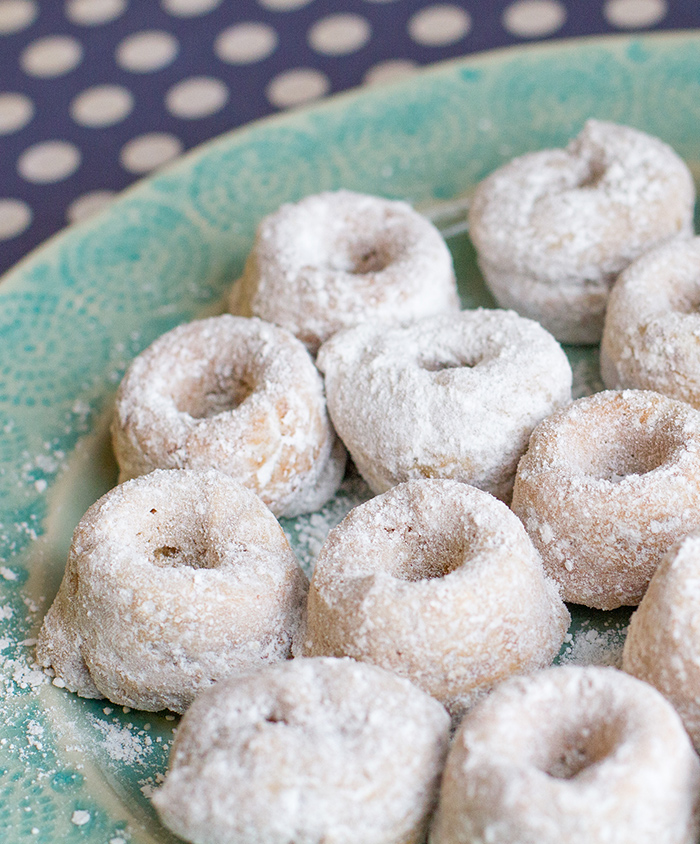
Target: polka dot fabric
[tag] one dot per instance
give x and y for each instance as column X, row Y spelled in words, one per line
column 97, row 93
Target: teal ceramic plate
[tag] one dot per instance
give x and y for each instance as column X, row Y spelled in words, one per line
column 75, row 312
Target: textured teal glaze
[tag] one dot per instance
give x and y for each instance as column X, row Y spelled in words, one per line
column 74, row 313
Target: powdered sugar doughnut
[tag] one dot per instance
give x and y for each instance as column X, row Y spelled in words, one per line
column 652, row 324
column 174, row 580
column 452, row 396
column 336, row 259
column 437, row 581
column 234, row 394
column 307, row 751
column 607, row 484
column 552, row 229
column 663, row 641
column 570, row 756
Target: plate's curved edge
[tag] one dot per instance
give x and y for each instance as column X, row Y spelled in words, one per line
column 341, row 101
column 337, row 104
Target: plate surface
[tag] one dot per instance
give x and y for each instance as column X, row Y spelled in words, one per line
column 74, row 313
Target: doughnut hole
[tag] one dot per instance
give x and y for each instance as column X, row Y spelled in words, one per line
column 359, row 257
column 173, row 535
column 614, row 460
column 438, row 363
column 628, row 444
column 466, row 355
column 571, row 748
column 419, row 557
column 593, row 175
column 415, row 543
column 684, row 295
column 219, row 388
column 566, row 746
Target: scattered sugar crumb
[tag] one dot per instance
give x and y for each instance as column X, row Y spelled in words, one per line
column 120, row 743
column 150, row 785
column 588, row 646
column 307, row 533
column 80, row 817
column 8, row 574
column 35, row 732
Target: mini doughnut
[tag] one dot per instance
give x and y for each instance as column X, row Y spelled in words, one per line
column 233, row 394
column 652, row 325
column 607, row 484
column 574, row 755
column 339, row 258
column 452, row 396
column 438, row 582
column 174, row 580
column 663, row 641
column 312, row 750
column 552, row 229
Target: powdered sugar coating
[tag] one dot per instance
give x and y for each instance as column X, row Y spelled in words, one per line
column 234, row 394
column 606, row 486
column 174, row 580
column 663, row 642
column 307, row 751
column 438, row 582
column 553, row 228
column 336, row 259
column 652, row 325
column 451, row 396
column 570, row 755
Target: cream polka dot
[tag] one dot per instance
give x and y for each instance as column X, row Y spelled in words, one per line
column 16, row 110
column 298, row 86
column 196, row 97
column 283, row 5
column 189, row 8
column 534, row 18
column 337, row 35
column 634, row 14
column 436, row 26
column 144, row 52
column 146, row 152
column 52, row 56
column 16, row 15
column 389, row 70
column 48, row 162
column 15, row 217
column 88, row 204
column 245, row 43
column 102, row 105
column 94, row 12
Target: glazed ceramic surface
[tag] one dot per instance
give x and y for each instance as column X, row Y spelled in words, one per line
column 75, row 312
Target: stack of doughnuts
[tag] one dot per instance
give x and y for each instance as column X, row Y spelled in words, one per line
column 553, row 228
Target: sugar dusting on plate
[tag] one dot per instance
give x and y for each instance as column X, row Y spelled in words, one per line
column 589, row 646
